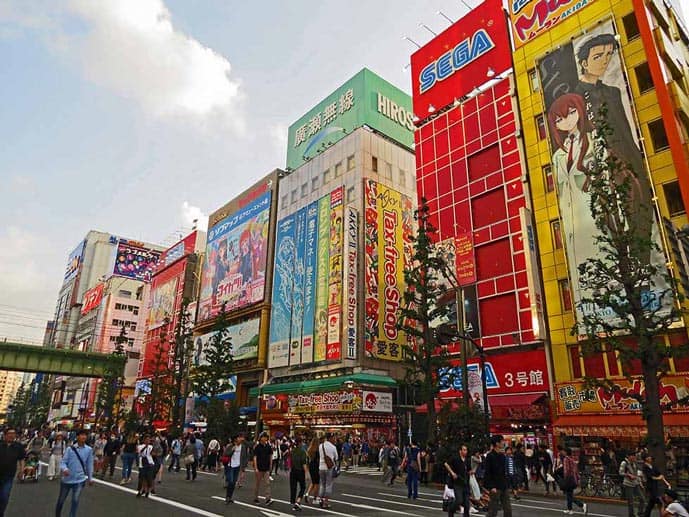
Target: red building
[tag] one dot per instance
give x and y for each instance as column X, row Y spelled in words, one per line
column 471, row 171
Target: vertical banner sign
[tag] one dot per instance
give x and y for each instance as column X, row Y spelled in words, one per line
column 322, row 257
column 281, row 314
column 310, row 242
column 351, row 244
column 464, row 259
column 533, row 274
column 297, row 319
column 371, row 264
column 334, row 346
column 578, row 79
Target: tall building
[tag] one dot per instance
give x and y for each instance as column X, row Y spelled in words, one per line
column 9, row 384
column 345, row 215
column 470, row 168
column 631, row 55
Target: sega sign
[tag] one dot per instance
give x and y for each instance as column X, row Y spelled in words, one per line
column 477, row 45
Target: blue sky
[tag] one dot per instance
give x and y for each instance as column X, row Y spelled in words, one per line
column 136, row 116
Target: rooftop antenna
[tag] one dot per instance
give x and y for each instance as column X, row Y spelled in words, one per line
column 428, row 29
column 411, row 41
column 446, row 17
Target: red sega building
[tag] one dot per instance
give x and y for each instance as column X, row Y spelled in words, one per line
column 471, row 171
column 171, row 282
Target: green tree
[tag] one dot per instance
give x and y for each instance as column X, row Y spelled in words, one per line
column 423, row 355
column 628, row 302
column 213, row 377
column 458, row 426
column 183, row 343
column 39, row 406
column 19, row 407
column 159, row 402
column 109, row 402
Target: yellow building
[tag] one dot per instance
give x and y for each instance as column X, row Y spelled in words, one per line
column 9, row 384
column 633, row 55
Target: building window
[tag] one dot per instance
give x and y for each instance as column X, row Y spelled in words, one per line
column 293, row 197
column 304, row 189
column 387, row 172
column 658, row 135
column 283, row 203
column 314, row 184
column 124, row 294
column 350, row 194
column 374, row 164
column 338, row 170
column 631, row 28
column 326, row 176
column 403, row 178
column 557, row 234
column 533, row 80
column 673, row 198
column 136, row 312
column 115, row 323
column 540, row 127
column 350, row 163
column 565, row 294
column 643, row 77
column 548, row 178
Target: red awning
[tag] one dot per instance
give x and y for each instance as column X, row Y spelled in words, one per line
column 520, row 399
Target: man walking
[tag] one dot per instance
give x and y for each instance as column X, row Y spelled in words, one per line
column 328, row 459
column 631, row 483
column 76, row 467
column 263, row 460
column 297, row 474
column 12, row 454
column 458, row 480
column 653, row 489
column 176, row 451
column 110, row 453
column 495, row 479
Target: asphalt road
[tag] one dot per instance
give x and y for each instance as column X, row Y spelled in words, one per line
column 355, row 494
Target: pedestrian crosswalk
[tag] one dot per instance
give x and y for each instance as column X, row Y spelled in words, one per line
column 365, row 471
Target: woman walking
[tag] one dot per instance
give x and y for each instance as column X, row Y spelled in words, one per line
column 57, row 451
column 99, row 451
column 128, row 457
column 570, row 482
column 189, row 454
column 233, row 451
column 314, row 459
column 297, row 474
column 146, row 466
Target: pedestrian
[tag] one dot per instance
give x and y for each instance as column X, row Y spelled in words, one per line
column 244, row 460
column 393, row 462
column 263, row 461
column 671, row 506
column 328, row 459
column 158, row 455
column 314, row 470
column 77, row 468
column 495, row 479
column 297, row 474
column 383, row 458
column 191, row 459
column 98, row 451
column 12, row 455
column 275, row 458
column 356, row 452
column 128, row 457
column 631, row 484
column 653, row 490
column 110, row 453
column 146, row 467
column 522, row 477
column 511, row 472
column 233, row 455
column 431, row 450
column 200, row 454
column 57, row 451
column 544, row 471
column 411, row 466
column 213, row 451
column 176, row 452
column 458, row 480
column 423, row 466
column 570, row 481
column 346, row 453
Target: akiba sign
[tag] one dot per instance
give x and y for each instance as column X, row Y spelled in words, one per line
column 461, row 58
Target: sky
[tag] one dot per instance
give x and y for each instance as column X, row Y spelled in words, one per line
column 136, row 117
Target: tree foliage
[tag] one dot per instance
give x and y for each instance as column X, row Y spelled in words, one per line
column 109, row 402
column 159, row 402
column 629, row 301
column 212, row 378
column 183, row 343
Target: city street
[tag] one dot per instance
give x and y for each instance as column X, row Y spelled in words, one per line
column 356, row 494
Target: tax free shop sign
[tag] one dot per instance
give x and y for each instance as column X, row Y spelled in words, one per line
column 365, row 99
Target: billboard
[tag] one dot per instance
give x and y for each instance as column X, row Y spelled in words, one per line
column 387, row 244
column 178, row 250
column 351, row 245
column 365, row 99
column 162, row 303
column 306, row 303
column 92, row 299
column 235, row 263
column 244, row 338
column 377, row 401
column 74, row 261
column 134, row 260
column 578, row 78
column 463, row 57
column 531, row 18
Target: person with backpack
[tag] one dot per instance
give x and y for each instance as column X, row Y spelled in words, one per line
column 570, row 481
column 328, row 460
column 146, row 467
column 77, row 468
column 631, row 483
column 671, row 506
column 410, row 463
column 393, row 462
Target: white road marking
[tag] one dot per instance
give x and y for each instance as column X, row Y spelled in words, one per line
column 393, row 502
column 377, row 508
column 439, row 501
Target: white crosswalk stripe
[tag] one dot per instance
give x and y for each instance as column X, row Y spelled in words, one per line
column 365, row 471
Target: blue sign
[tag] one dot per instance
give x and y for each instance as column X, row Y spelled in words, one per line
column 451, row 378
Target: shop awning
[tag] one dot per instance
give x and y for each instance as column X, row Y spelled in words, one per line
column 616, row 425
column 329, row 383
column 520, row 399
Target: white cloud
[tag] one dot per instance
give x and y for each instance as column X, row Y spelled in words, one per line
column 193, row 215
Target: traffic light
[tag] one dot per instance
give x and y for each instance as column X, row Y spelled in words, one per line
column 679, row 244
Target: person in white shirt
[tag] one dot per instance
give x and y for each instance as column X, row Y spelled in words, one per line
column 57, row 451
column 671, row 507
column 145, row 467
column 213, row 450
column 328, row 460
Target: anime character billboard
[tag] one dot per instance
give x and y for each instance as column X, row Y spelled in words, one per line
column 578, row 79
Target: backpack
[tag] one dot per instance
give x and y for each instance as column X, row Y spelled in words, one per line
column 393, row 453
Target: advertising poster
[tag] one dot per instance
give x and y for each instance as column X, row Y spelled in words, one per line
column 92, row 299
column 235, row 262
column 389, row 217
column 133, row 260
column 578, row 78
column 297, row 319
column 377, row 401
column 334, row 345
column 350, row 279
column 74, row 261
column 281, row 312
column 530, row 18
column 310, row 243
column 332, row 401
column 162, row 303
column 323, row 259
column 244, row 338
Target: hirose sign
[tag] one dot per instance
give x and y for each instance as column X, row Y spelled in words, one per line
column 461, row 58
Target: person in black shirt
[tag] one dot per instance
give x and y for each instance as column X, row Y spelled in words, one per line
column 495, row 479
column 458, row 479
column 520, row 467
column 11, row 454
column 110, row 453
column 263, row 459
column 653, row 476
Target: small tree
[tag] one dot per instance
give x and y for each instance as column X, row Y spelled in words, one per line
column 462, row 425
column 213, row 377
column 629, row 302
column 18, row 414
column 160, row 400
column 109, row 401
column 181, row 359
column 423, row 356
column 39, row 402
